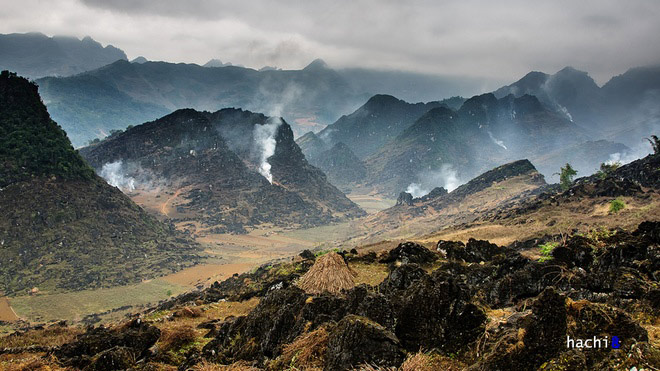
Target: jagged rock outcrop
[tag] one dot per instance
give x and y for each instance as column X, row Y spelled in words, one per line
column 230, row 170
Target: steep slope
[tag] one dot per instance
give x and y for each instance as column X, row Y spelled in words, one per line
column 624, row 110
column 377, row 122
column 444, row 146
column 311, row 145
column 501, row 187
column 36, row 55
column 63, row 227
column 341, row 165
column 570, row 91
column 218, row 168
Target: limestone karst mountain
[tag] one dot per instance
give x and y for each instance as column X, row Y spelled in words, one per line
column 63, row 227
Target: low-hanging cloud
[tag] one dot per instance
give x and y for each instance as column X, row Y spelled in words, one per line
column 450, row 37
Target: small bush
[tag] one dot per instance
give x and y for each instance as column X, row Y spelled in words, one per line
column 174, row 338
column 566, row 176
column 607, row 168
column 188, row 312
column 546, row 250
column 616, row 206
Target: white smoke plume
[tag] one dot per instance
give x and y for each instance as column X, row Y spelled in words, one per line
column 496, row 141
column 112, row 172
column 264, row 141
column 445, row 177
column 415, row 189
column 635, row 153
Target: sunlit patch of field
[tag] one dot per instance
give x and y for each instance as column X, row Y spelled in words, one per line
column 160, row 202
column 327, row 235
column 583, row 216
column 73, row 306
column 6, row 312
column 205, row 274
column 371, row 274
column 371, row 202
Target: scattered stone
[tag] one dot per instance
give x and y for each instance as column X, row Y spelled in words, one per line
column 357, row 340
column 410, row 252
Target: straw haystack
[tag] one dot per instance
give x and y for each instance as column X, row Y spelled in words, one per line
column 329, row 273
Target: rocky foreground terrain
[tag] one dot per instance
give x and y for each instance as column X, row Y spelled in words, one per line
column 447, row 306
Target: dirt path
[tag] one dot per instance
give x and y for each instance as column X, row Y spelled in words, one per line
column 164, row 208
column 6, row 312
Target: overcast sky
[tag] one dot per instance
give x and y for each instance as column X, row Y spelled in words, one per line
column 501, row 40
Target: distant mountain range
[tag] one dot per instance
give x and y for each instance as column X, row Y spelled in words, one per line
column 404, row 145
column 63, row 227
column 36, row 55
column 226, row 171
column 625, row 109
column 89, row 105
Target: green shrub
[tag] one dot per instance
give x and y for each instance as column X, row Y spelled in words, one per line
column 546, row 250
column 607, row 169
column 616, row 206
column 655, row 143
column 566, row 176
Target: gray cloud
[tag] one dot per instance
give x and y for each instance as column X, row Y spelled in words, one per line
column 500, row 40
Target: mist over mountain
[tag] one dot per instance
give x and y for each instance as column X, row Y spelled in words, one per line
column 228, row 171
column 36, row 55
column 418, row 147
column 309, row 99
column 375, row 123
column 624, row 109
column 63, row 227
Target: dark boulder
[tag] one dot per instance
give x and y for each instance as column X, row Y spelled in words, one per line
column 402, row 277
column 650, row 231
column 576, row 253
column 540, row 338
column 445, row 248
column 307, row 255
column 117, row 358
column 136, row 335
column 262, row 332
column 410, row 252
column 525, row 283
column 357, row 340
column 405, row 198
column 593, row 319
column 475, row 251
column 545, row 335
column 437, row 313
column 364, row 302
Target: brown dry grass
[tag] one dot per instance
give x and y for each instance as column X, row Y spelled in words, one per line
column 238, row 366
column 430, row 362
column 175, row 337
column 29, row 362
column 188, row 312
column 371, row 274
column 51, row 336
column 307, row 351
column 329, row 273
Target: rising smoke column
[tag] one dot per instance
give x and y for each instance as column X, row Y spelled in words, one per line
column 112, row 172
column 446, row 177
column 264, row 141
